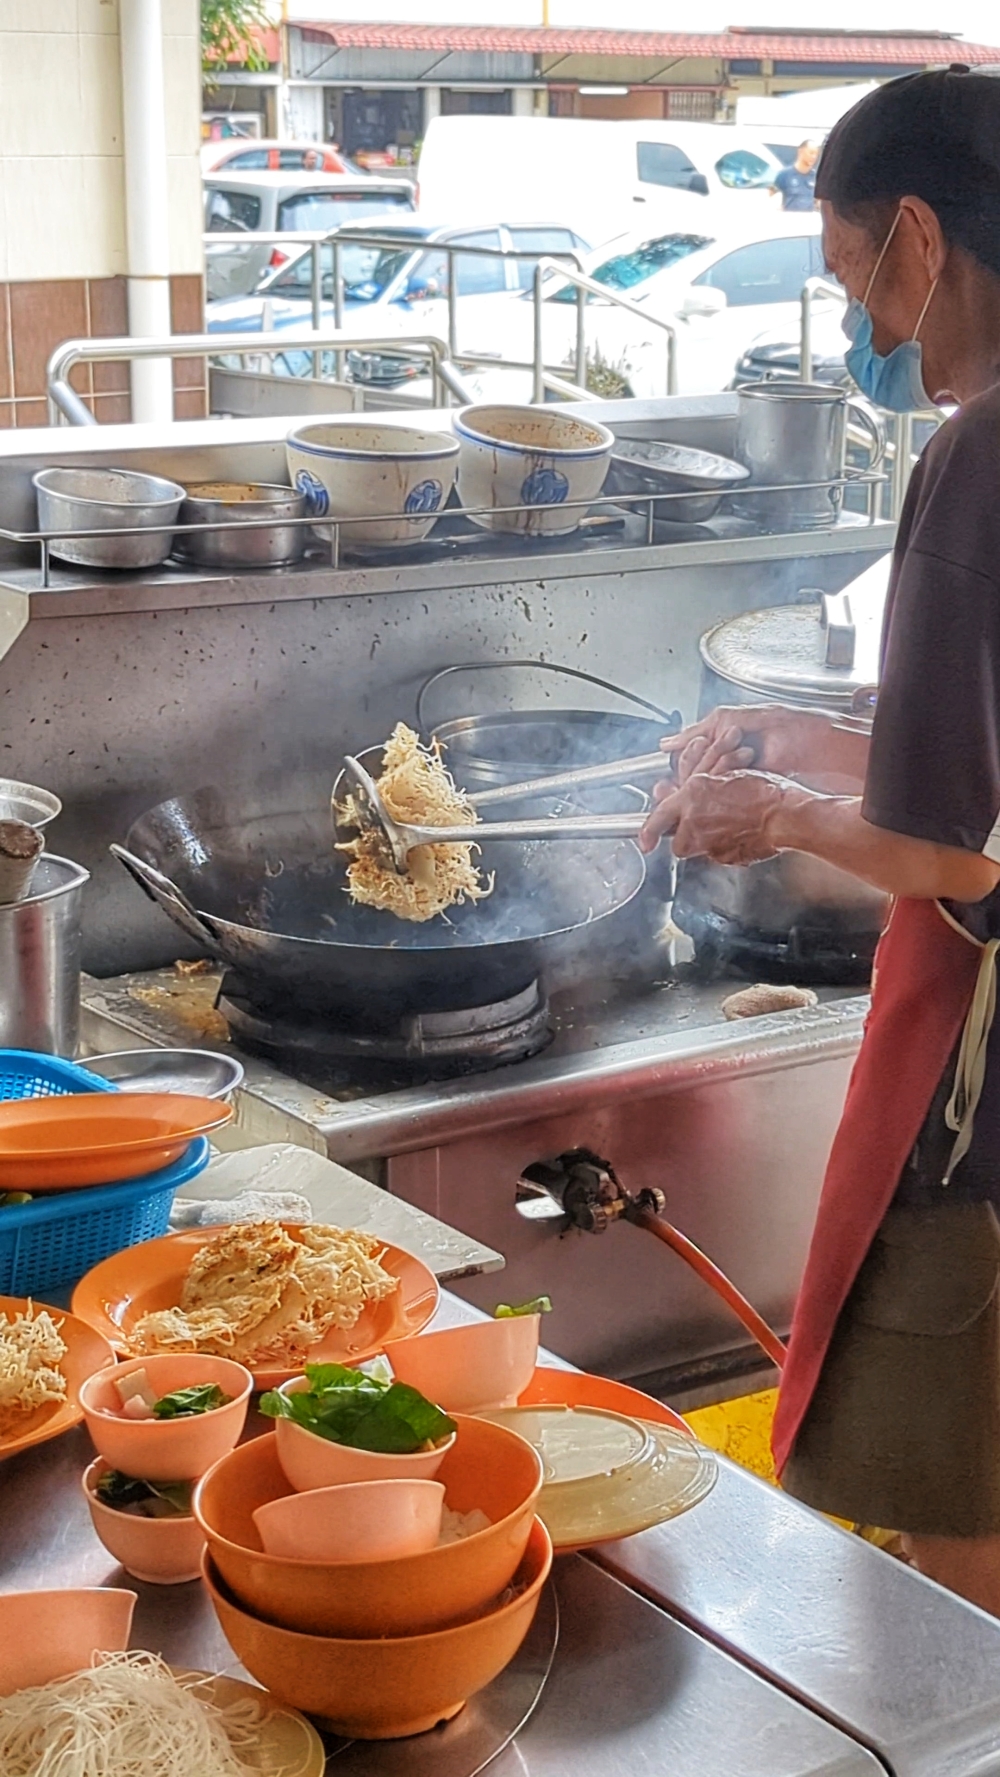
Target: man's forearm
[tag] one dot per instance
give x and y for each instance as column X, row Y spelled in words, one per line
column 833, row 828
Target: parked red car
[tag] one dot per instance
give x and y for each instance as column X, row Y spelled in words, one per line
column 274, row 157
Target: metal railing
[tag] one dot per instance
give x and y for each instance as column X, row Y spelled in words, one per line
column 812, row 287
column 561, row 260
column 590, row 287
column 613, row 509
column 64, row 402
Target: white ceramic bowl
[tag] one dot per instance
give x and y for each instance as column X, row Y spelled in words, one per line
column 536, row 457
column 310, row 1461
column 367, row 1521
column 348, row 469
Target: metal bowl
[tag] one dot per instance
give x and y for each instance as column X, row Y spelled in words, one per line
column 27, row 803
column 260, row 546
column 655, row 466
column 197, row 1071
column 74, row 501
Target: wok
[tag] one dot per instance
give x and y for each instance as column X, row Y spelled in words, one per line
column 264, row 892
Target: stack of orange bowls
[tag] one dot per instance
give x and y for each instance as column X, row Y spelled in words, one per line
column 164, row 1551
column 379, row 1649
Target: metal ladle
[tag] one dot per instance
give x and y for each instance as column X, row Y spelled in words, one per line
column 402, row 837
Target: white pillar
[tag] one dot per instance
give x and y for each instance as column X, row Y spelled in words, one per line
column 146, row 206
column 432, row 104
column 523, row 101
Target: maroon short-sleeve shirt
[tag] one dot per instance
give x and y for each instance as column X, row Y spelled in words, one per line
column 934, row 766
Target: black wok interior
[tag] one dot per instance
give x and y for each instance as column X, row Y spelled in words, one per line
column 277, row 873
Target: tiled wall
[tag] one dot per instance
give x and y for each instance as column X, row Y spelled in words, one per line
column 37, row 315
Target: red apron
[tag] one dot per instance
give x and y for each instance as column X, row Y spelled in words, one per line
column 923, row 984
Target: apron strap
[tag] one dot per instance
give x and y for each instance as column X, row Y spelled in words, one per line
column 970, row 1072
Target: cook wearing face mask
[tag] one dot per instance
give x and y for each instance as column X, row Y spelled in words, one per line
column 889, row 1408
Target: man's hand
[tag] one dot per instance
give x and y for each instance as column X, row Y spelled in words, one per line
column 771, row 738
column 725, row 819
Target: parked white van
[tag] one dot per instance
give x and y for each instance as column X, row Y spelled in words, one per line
column 600, row 177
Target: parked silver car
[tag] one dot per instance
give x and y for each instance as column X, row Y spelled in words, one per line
column 266, row 203
column 382, row 284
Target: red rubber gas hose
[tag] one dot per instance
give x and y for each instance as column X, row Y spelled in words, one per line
column 717, row 1280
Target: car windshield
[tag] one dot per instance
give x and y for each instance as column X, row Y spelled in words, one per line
column 623, row 271
column 231, row 212
column 367, row 272
column 327, row 209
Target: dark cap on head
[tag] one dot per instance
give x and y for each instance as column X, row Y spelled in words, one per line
column 934, row 136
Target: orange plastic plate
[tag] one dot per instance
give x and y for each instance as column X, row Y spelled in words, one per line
column 575, row 1388
column 98, row 1138
column 118, row 1291
column 87, row 1351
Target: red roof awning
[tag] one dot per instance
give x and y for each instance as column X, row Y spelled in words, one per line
column 906, row 51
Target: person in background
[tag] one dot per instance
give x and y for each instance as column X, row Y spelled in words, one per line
column 796, row 185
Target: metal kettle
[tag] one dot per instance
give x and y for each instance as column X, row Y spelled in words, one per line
column 823, row 654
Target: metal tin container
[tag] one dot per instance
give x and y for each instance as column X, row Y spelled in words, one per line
column 27, row 802
column 655, row 466
column 254, row 544
column 794, row 435
column 40, row 941
column 75, row 501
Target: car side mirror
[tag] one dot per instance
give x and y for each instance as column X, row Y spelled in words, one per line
column 702, row 299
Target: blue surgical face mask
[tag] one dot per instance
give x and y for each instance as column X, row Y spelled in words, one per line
column 895, row 380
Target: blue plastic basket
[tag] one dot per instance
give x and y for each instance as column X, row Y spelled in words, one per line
column 23, row 1074
column 48, row 1244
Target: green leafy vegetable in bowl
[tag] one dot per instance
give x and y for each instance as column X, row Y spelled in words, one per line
column 364, row 1411
column 144, row 1499
column 203, row 1397
column 540, row 1305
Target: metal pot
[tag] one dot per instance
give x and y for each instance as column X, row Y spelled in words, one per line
column 508, row 746
column 40, row 944
column 823, row 655
column 511, row 746
column 254, row 544
column 796, row 433
column 75, row 501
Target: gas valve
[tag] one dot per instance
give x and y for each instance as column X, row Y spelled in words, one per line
column 583, row 1188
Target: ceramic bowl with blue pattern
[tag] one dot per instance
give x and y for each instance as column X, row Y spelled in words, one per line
column 544, row 461
column 391, row 481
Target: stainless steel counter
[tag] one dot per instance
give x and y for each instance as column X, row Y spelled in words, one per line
column 626, row 1046
column 747, row 1639
column 904, row 1666
column 630, row 1689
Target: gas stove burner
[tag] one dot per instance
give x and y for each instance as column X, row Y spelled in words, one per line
column 424, row 1044
column 802, row 957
